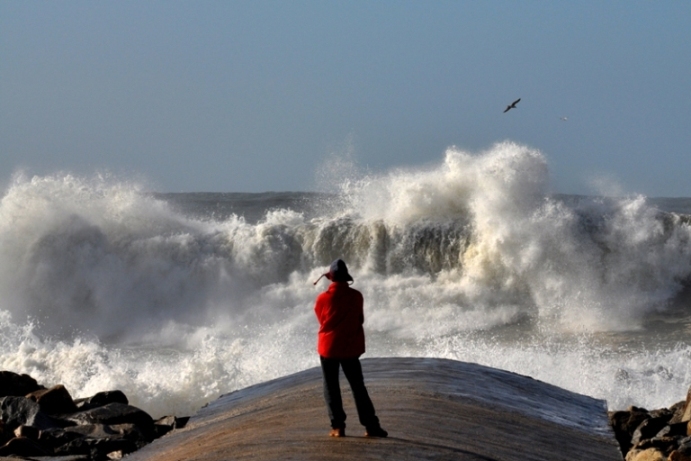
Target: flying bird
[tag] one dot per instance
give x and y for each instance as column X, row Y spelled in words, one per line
column 563, row 119
column 512, row 105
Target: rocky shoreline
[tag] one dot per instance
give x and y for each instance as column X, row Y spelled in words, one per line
column 40, row 422
column 657, row 435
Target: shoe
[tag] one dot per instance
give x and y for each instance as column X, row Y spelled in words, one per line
column 376, row 432
column 338, row 432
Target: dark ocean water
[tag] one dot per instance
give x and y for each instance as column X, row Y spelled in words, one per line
column 220, row 206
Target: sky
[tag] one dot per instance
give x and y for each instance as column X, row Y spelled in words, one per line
column 251, row 96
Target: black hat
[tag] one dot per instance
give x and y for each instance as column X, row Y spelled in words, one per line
column 338, row 272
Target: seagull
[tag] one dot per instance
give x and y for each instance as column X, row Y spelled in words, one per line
column 563, row 119
column 512, row 105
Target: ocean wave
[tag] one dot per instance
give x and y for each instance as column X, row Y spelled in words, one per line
column 101, row 256
column 104, row 283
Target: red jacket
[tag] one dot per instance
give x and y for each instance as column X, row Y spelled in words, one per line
column 339, row 311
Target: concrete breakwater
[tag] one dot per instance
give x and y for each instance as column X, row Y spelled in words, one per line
column 433, row 409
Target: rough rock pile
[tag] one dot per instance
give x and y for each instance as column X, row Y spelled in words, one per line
column 39, row 422
column 656, row 435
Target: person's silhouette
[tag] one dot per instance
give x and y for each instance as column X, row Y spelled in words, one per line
column 341, row 341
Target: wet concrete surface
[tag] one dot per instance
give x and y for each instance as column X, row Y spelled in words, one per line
column 433, row 409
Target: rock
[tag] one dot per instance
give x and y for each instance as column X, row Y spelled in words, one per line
column 98, row 431
column 160, row 430
column 163, row 426
column 648, row 429
column 624, row 423
column 59, row 458
column 96, row 448
column 20, row 458
column 21, row 446
column 53, row 401
column 677, row 411
column 676, row 455
column 84, row 439
column 173, row 421
column 40, row 422
column 663, row 414
column 12, row 384
column 101, row 399
column 114, row 413
column 649, row 454
column 663, row 444
column 63, row 458
column 18, row 411
column 5, row 433
column 166, row 424
column 116, row 431
column 51, row 439
column 618, row 421
column 29, row 432
column 671, row 440
column 673, row 430
column 683, row 452
column 686, row 415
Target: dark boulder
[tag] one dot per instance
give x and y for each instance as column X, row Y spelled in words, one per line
column 96, row 449
column 648, row 429
column 686, row 415
column 664, row 445
column 94, row 439
column 116, row 431
column 30, row 432
column 683, row 452
column 5, row 433
column 673, row 430
column 677, row 455
column 166, row 424
column 36, row 422
column 13, row 384
column 624, row 423
column 51, row 439
column 677, row 412
column 645, row 454
column 659, row 436
column 18, row 411
column 115, row 413
column 22, row 446
column 101, row 399
column 663, row 414
column 178, row 422
column 53, row 401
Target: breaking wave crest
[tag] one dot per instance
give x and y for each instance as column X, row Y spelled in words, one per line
column 104, row 284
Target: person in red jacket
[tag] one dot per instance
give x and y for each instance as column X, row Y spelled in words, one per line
column 341, row 342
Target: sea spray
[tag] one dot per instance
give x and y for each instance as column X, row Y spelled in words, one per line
column 105, row 285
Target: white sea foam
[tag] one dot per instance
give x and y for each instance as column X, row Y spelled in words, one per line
column 105, row 286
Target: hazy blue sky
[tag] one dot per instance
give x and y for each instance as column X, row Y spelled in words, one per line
column 255, row 95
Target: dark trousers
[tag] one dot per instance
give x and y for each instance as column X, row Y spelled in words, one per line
column 332, row 392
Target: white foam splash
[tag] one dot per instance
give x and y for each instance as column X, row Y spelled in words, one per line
column 104, row 286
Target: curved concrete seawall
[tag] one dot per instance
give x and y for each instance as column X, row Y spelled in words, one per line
column 433, row 409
